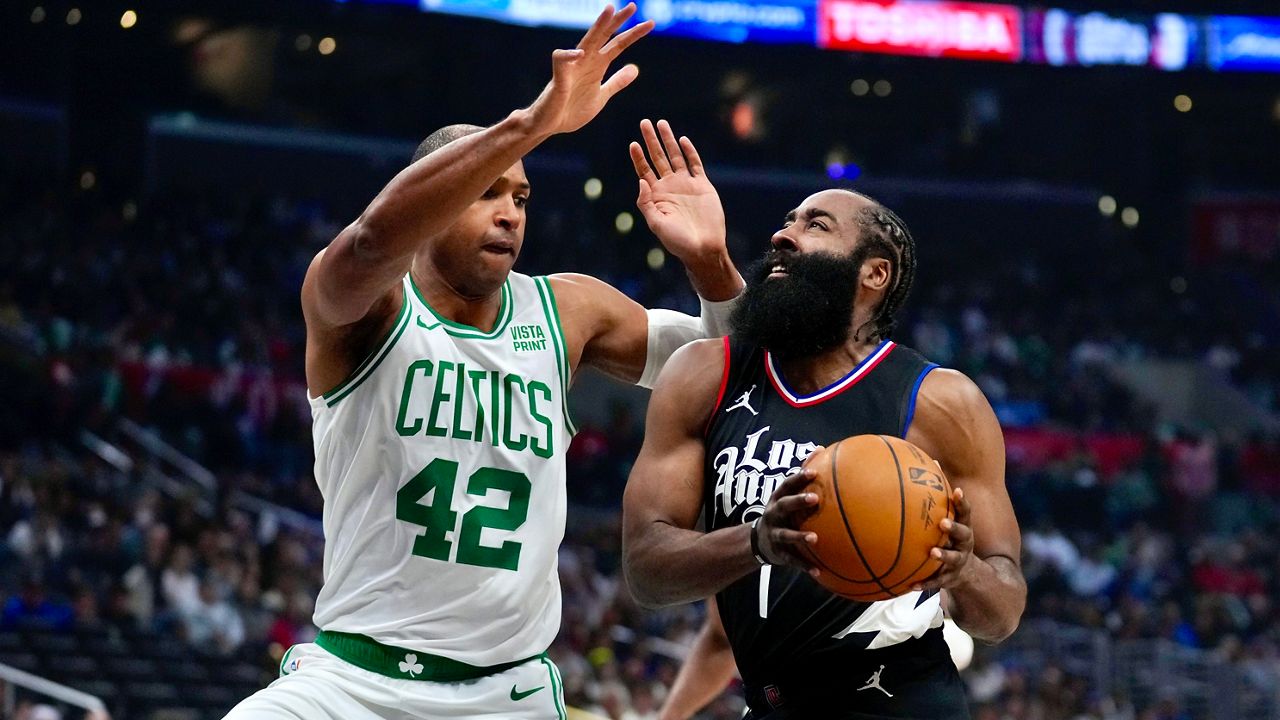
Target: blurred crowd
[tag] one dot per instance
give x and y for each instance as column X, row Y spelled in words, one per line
column 183, row 316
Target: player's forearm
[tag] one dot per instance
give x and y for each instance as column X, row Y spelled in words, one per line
column 429, row 195
column 714, row 277
column 667, row 565
column 989, row 604
column 704, row 675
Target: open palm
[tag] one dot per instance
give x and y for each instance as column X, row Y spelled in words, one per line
column 578, row 91
column 676, row 198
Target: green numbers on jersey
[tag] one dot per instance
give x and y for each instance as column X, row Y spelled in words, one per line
column 439, row 517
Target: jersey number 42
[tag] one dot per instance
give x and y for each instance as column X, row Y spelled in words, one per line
column 439, row 518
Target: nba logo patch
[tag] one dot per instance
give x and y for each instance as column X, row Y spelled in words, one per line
column 773, row 695
column 293, row 665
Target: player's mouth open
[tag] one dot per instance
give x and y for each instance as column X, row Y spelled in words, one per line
column 777, row 271
column 499, row 248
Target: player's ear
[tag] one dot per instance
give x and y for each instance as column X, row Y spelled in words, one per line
column 876, row 273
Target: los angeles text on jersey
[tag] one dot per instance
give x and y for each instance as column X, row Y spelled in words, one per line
column 744, row 481
column 446, row 399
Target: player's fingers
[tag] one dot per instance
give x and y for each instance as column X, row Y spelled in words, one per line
column 563, row 57
column 672, row 147
column 961, row 505
column 656, row 154
column 784, row 536
column 620, row 43
column 792, row 504
column 620, row 80
column 950, row 558
column 644, row 198
column 599, row 30
column 691, row 155
column 793, row 484
column 641, row 164
column 620, row 18
column 961, row 535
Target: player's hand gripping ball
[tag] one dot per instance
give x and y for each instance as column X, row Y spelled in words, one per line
column 881, row 502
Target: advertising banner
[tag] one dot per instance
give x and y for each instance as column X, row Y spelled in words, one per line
column 557, row 13
column 1057, row 37
column 738, row 21
column 1244, row 43
column 976, row 31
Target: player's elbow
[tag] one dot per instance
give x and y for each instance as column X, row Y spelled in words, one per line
column 1001, row 629
column 640, row 569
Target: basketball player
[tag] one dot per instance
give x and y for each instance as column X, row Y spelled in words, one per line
column 438, row 380
column 730, row 425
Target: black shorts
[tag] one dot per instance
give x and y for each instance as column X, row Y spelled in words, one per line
column 918, row 682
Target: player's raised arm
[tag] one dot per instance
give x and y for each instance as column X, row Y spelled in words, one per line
column 613, row 333
column 370, row 256
column 665, row 560
column 981, row 568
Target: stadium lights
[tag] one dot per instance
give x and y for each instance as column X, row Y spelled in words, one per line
column 860, row 87
column 593, row 188
column 37, row 15
column 882, row 88
column 73, row 16
column 1107, row 205
column 1182, row 103
column 1129, row 216
column 624, row 222
column 656, row 259
column 327, row 46
column 303, row 42
column 128, row 19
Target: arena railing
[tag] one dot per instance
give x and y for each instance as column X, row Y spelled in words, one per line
column 11, row 677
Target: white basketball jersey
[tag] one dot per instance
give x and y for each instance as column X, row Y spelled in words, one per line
column 442, row 461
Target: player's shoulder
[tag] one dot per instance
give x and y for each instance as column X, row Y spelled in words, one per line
column 948, row 387
column 952, row 413
column 696, row 367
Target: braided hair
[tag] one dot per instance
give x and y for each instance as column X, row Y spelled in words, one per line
column 886, row 236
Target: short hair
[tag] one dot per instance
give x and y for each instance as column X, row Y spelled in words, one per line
column 442, row 137
column 888, row 237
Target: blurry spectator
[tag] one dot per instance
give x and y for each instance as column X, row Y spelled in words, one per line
column 213, row 625
column 178, row 582
column 143, row 581
column 33, row 608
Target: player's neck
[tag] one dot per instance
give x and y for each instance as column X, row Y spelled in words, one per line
column 477, row 312
column 810, row 374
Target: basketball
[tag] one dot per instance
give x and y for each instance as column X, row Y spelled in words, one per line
column 880, row 504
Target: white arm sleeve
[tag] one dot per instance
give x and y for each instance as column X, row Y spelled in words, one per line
column 670, row 330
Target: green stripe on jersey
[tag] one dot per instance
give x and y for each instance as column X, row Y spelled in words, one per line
column 505, row 313
column 557, row 693
column 548, row 297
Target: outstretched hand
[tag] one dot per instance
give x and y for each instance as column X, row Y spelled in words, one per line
column 578, row 91
column 676, row 198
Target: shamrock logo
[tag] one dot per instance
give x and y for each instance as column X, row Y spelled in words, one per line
column 411, row 665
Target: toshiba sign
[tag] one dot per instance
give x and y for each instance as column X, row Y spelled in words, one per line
column 936, row 29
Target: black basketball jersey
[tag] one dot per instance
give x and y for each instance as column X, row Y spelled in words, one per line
column 794, row 641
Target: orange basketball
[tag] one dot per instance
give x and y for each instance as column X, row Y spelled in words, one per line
column 880, row 502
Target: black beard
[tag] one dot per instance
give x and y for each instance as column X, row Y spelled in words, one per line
column 804, row 313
